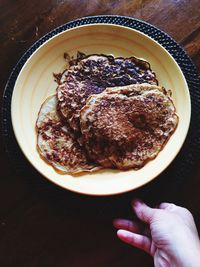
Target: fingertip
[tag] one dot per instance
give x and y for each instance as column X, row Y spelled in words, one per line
column 120, row 232
column 143, row 211
column 124, row 235
column 116, row 223
column 136, row 202
column 139, row 241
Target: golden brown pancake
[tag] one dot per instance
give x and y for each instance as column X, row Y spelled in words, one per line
column 125, row 127
column 57, row 144
column 91, row 74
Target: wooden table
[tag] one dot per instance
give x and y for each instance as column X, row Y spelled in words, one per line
column 42, row 225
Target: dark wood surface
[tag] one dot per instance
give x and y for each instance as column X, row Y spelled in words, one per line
column 42, row 225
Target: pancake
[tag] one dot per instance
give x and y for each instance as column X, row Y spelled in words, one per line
column 87, row 75
column 56, row 142
column 125, row 127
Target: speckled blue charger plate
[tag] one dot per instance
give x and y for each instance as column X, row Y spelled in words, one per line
column 180, row 169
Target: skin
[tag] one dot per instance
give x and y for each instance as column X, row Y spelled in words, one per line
column 168, row 233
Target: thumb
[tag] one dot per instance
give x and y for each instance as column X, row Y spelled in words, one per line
column 142, row 211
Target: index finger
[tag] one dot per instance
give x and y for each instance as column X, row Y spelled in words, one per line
column 142, row 211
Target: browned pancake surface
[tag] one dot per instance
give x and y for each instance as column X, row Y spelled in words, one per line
column 89, row 75
column 125, row 127
column 57, row 144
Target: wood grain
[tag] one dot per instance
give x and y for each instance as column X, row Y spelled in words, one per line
column 40, row 224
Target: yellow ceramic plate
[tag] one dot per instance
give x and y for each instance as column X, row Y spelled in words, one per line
column 35, row 83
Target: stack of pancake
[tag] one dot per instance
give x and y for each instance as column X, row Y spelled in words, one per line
column 107, row 113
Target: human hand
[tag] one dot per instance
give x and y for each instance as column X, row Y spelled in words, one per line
column 168, row 233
